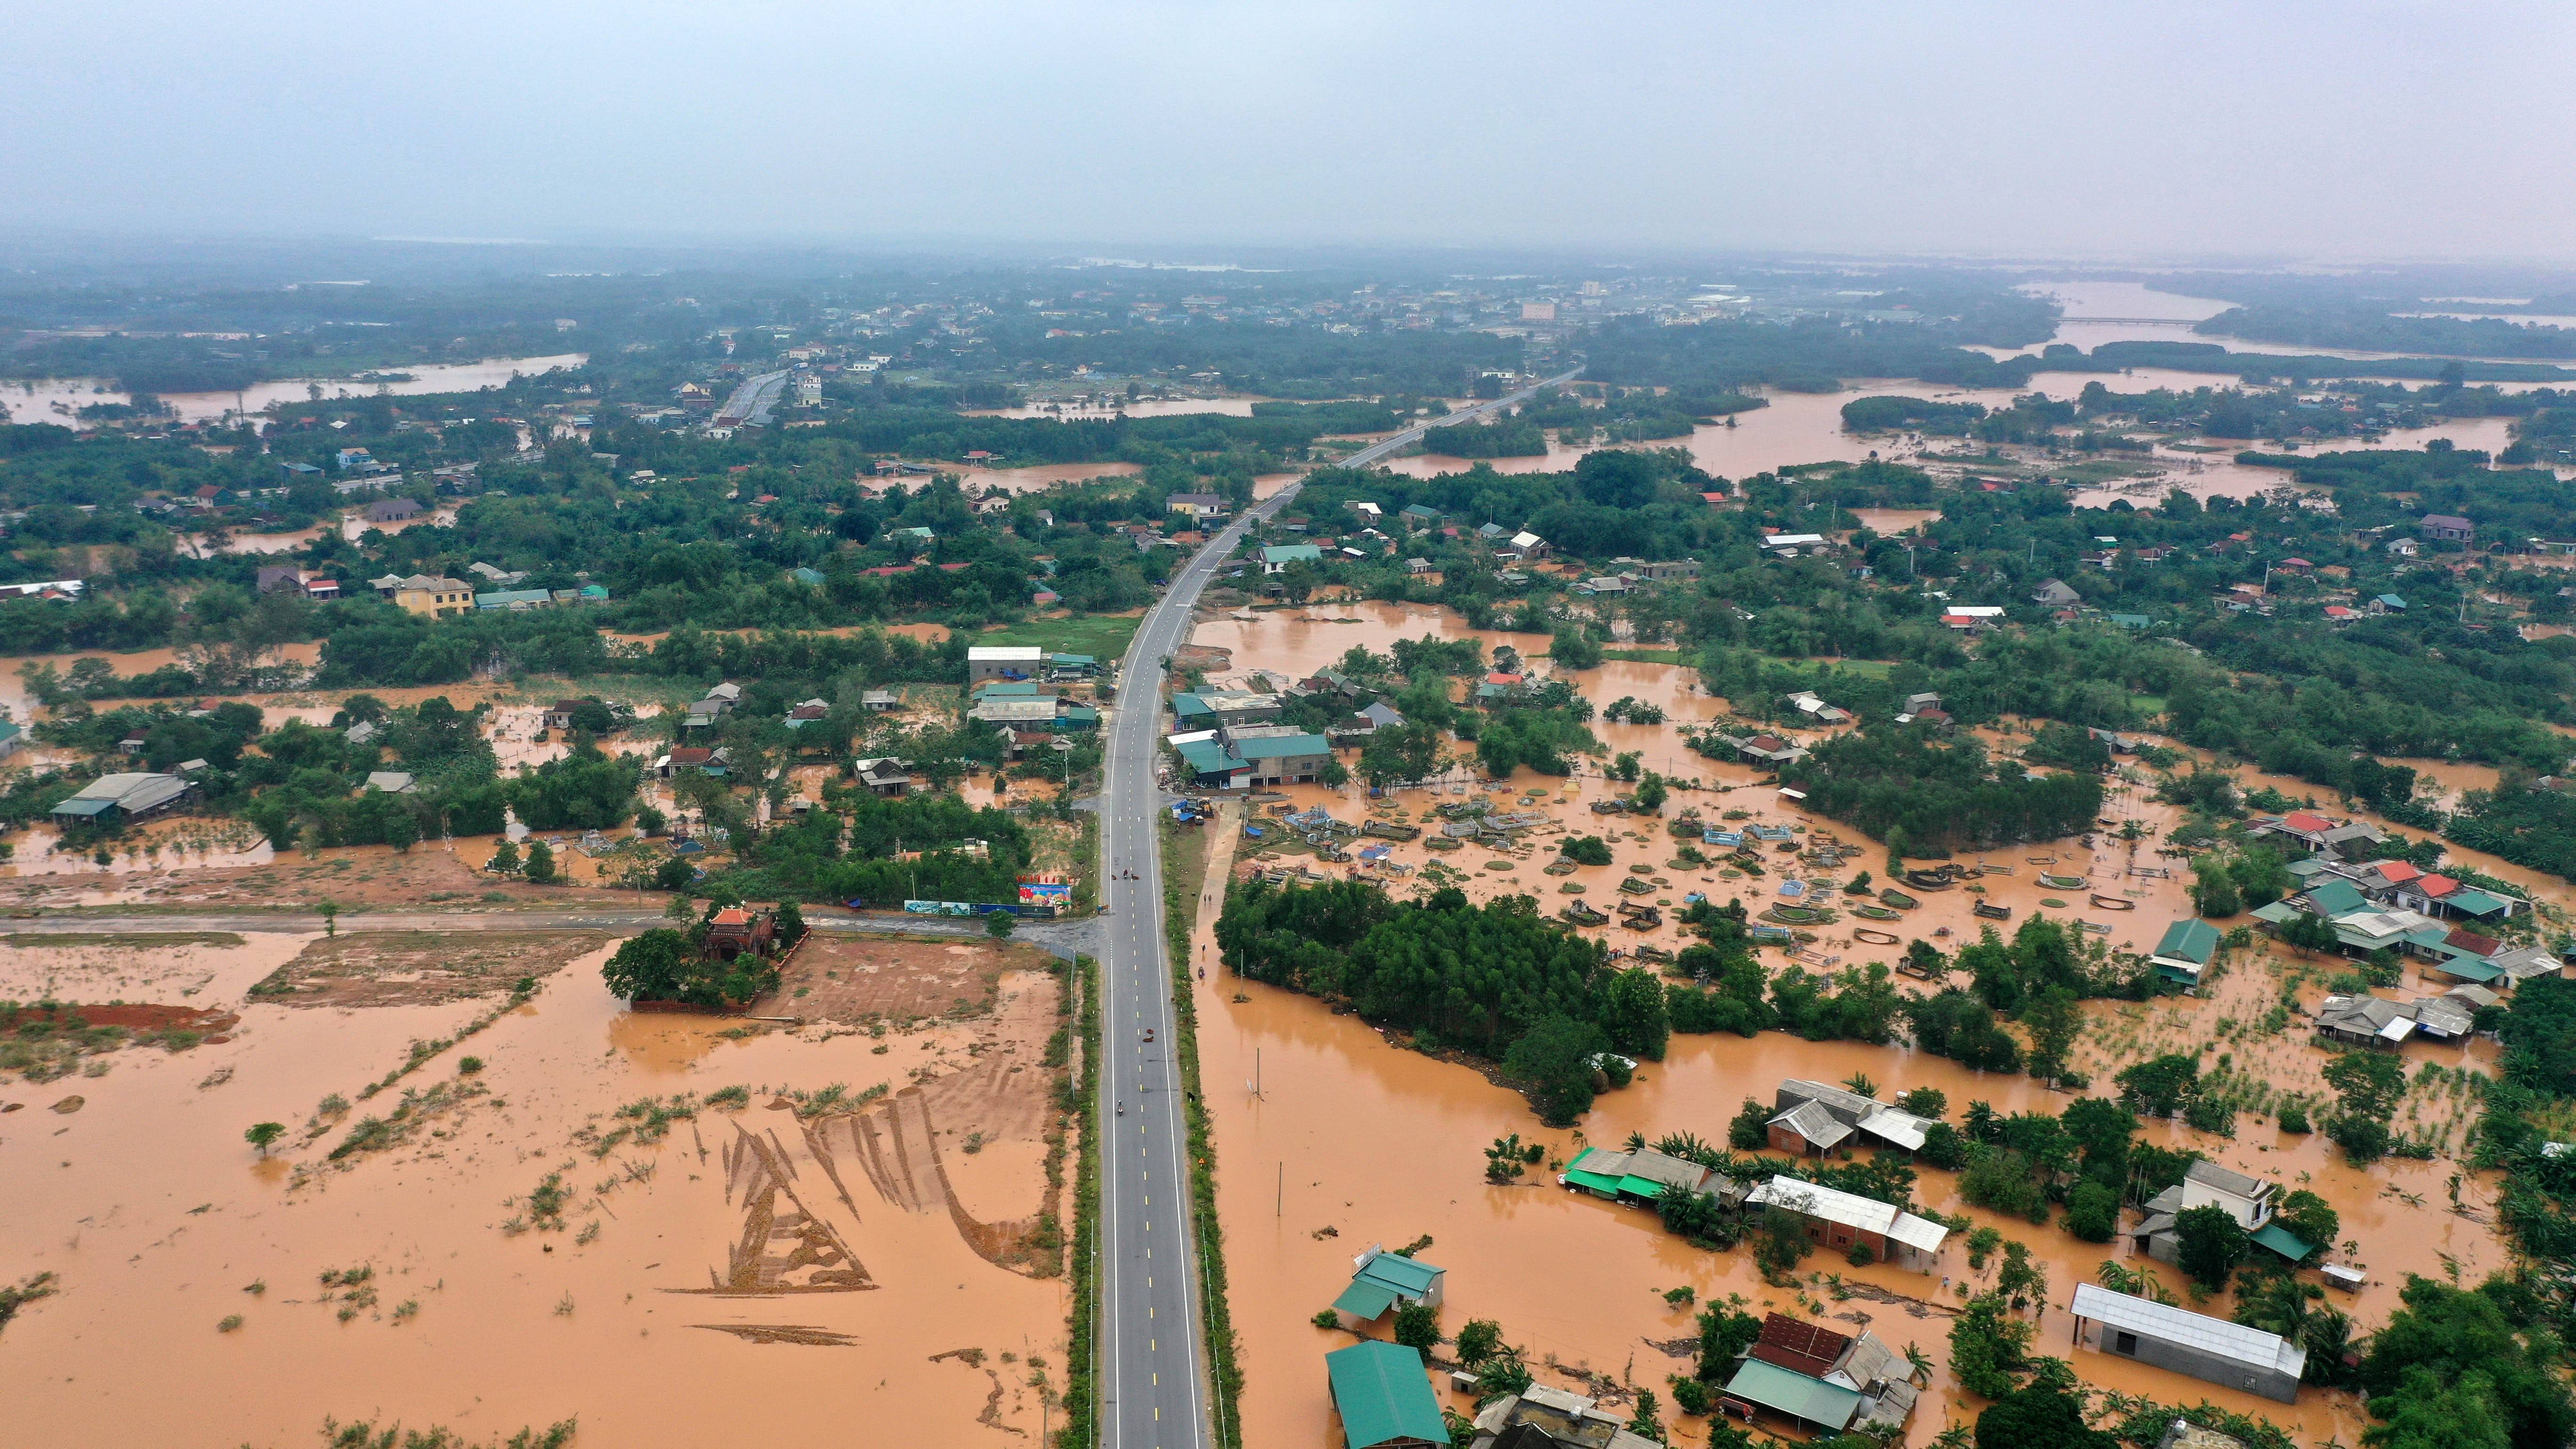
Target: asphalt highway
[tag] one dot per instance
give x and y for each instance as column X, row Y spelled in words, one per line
column 1153, row 1374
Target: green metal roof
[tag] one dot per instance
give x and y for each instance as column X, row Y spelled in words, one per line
column 1281, row 553
column 1793, row 1394
column 2473, row 903
column 2192, row 940
column 1207, row 757
column 2279, row 913
column 1408, row 1276
column 83, row 807
column 2284, row 1242
column 1604, row 1183
column 2468, row 967
column 1383, row 1397
column 1365, row 1300
column 1273, row 747
column 2337, row 898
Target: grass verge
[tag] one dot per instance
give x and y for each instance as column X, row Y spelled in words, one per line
column 1082, row 1322
column 1102, row 636
column 1184, row 876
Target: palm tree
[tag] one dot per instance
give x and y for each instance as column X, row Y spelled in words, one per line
column 1860, row 1083
column 1919, row 1362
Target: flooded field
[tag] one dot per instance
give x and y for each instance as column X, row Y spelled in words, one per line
column 570, row 1228
column 59, row 400
column 1040, row 477
column 1304, row 1184
column 1796, row 428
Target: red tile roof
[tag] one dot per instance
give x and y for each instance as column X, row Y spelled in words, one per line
column 2396, row 872
column 2471, row 942
column 732, row 916
column 2303, row 821
column 2437, row 886
column 1800, row 1347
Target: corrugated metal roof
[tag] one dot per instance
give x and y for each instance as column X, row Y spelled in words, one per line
column 1902, row 1128
column 1276, row 747
column 2284, row 1242
column 1365, row 1300
column 1810, row 1120
column 1799, row 1346
column 2231, row 1341
column 2226, row 1180
column 1828, row 1204
column 1382, row 1395
column 1920, row 1234
column 1794, row 1394
column 1409, row 1276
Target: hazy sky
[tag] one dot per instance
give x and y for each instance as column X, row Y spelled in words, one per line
column 2307, row 130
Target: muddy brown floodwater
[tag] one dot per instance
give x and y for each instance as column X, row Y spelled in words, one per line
column 1795, row 428
column 60, row 399
column 1381, row 1144
column 755, row 1274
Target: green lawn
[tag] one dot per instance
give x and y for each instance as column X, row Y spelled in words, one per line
column 1102, row 637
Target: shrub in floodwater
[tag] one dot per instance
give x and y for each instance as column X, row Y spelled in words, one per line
column 546, row 1203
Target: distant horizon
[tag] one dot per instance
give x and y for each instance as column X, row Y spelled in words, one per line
column 1212, row 258
column 2310, row 132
